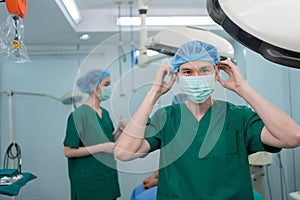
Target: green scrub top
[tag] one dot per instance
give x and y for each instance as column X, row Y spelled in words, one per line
column 95, row 176
column 221, row 174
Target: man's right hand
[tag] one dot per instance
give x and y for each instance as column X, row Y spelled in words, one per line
column 160, row 86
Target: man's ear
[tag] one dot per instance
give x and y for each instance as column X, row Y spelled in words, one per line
column 216, row 73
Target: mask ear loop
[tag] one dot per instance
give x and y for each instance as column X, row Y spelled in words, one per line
column 217, row 73
column 177, row 78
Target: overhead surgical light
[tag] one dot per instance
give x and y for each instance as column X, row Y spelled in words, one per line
column 67, row 99
column 168, row 40
column 267, row 27
column 149, row 52
column 73, row 10
column 167, row 21
column 84, row 37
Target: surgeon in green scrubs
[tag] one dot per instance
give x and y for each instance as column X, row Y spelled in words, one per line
column 204, row 143
column 89, row 142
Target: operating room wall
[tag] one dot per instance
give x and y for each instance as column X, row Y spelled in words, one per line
column 39, row 122
column 278, row 84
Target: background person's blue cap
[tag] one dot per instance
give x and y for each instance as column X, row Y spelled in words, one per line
column 179, row 98
column 90, row 80
column 192, row 51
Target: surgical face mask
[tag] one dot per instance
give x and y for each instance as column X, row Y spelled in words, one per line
column 198, row 88
column 105, row 93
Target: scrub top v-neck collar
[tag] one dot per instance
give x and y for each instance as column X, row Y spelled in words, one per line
column 192, row 116
column 98, row 116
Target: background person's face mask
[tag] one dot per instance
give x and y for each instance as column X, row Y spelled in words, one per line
column 105, row 93
column 198, row 88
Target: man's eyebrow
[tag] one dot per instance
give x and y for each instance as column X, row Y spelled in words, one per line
column 204, row 66
column 186, row 68
column 194, row 67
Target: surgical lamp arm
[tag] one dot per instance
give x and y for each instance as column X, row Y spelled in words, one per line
column 38, row 94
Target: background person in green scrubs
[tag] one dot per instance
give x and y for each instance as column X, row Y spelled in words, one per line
column 204, row 143
column 89, row 142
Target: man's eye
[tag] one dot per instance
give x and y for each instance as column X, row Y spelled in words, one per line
column 205, row 70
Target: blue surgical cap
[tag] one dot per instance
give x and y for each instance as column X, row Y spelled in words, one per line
column 90, row 80
column 192, row 51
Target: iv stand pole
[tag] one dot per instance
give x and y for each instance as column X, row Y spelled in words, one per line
column 10, row 121
column 10, row 115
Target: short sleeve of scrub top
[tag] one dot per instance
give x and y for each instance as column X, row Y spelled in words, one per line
column 252, row 130
column 72, row 138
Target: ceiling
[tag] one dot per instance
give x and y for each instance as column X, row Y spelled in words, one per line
column 46, row 24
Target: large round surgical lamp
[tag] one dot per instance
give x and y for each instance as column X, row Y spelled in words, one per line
column 168, row 40
column 267, row 27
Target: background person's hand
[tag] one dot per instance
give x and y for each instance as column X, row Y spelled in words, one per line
column 122, row 123
column 109, row 147
column 150, row 182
